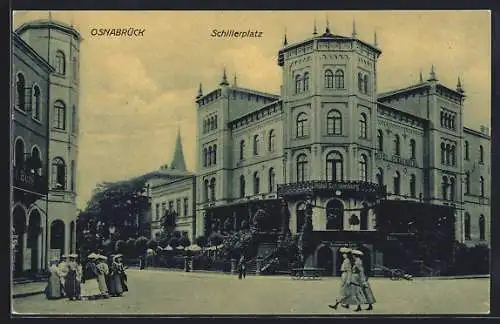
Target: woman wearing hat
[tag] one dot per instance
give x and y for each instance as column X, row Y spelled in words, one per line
column 90, row 290
column 363, row 281
column 71, row 283
column 115, row 277
column 63, row 271
column 346, row 290
column 102, row 272
column 53, row 289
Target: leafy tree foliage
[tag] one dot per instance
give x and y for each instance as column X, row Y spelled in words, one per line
column 184, row 241
column 130, row 249
column 201, row 241
column 120, row 246
column 169, row 221
column 173, row 242
column 152, row 244
column 141, row 245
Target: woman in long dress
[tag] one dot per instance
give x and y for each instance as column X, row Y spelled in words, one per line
column 345, row 280
column 123, row 274
column 63, row 271
column 90, row 289
column 102, row 272
column 115, row 278
column 366, row 288
column 71, row 282
column 53, row 289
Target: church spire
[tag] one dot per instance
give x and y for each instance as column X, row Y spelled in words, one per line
column 327, row 29
column 224, row 78
column 432, row 75
column 421, row 76
column 354, row 34
column 459, row 86
column 375, row 42
column 200, row 92
column 285, row 41
column 315, row 29
column 178, row 162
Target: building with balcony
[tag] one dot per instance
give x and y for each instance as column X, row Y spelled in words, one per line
column 53, row 103
column 371, row 164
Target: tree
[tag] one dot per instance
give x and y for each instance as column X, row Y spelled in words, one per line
column 169, row 221
column 130, row 249
column 216, row 239
column 152, row 244
column 305, row 241
column 184, row 241
column 141, row 245
column 201, row 241
column 120, row 246
column 174, row 242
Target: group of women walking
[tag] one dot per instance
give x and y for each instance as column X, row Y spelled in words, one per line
column 355, row 289
column 101, row 277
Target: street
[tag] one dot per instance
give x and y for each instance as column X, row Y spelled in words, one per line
column 168, row 293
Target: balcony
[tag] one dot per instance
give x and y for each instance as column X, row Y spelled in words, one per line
column 379, row 155
column 27, row 180
column 326, row 188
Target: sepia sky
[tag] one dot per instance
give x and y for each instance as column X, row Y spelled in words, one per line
column 136, row 91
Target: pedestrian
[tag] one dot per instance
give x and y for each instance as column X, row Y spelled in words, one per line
column 109, row 262
column 141, row 262
column 63, row 271
column 115, row 278
column 363, row 280
column 53, row 289
column 71, row 282
column 123, row 274
column 242, row 268
column 79, row 278
column 102, row 272
column 90, row 290
column 345, row 287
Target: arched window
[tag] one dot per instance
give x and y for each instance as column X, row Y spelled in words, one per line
column 73, row 176
column 365, row 84
column 212, row 189
column 363, row 168
column 397, row 183
column 272, row 177
column 302, row 129
column 242, row 149
column 35, row 156
column 206, row 190
column 205, row 157
column 242, row 186
column 334, row 122
column 256, row 183
column 334, row 166
column 302, row 166
column 73, row 119
column 21, row 92
column 481, row 186
column 334, row 215
column 215, row 122
column 448, row 154
column 204, row 126
column 19, row 153
column 306, row 81
column 37, row 103
column 380, row 177
column 444, row 186
column 362, row 126
column 397, row 146
column 453, row 155
column 467, row 182
column 214, row 155
column 413, row 149
column 298, row 81
column 452, row 189
column 58, row 174
column 328, row 79
column 59, row 115
column 360, row 82
column 60, row 63
column 256, row 145
column 272, row 138
column 482, row 228
column 443, row 153
column 442, row 118
column 339, row 79
column 209, row 156
column 466, row 150
column 413, row 186
column 467, row 226
column 57, row 235
column 481, row 154
column 301, row 216
column 380, row 140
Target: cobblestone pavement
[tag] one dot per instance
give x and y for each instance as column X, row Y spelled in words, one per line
column 169, row 293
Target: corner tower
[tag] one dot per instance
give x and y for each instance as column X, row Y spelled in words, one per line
column 59, row 44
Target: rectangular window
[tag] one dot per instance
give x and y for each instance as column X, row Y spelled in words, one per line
column 186, row 206
column 158, row 215
column 178, row 206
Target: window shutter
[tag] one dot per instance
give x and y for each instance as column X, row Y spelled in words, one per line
column 28, row 95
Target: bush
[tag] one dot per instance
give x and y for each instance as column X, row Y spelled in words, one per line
column 470, row 260
column 173, row 242
column 130, row 249
column 184, row 241
column 120, row 246
column 201, row 241
column 152, row 244
column 141, row 245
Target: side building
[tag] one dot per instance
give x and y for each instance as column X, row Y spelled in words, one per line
column 30, row 90
column 59, row 44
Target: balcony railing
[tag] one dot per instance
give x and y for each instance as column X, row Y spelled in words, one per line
column 27, row 180
column 379, row 155
column 338, row 187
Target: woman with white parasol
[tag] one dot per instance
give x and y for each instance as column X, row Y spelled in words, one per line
column 363, row 280
column 90, row 289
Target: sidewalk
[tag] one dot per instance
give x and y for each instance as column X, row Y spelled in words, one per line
column 28, row 289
